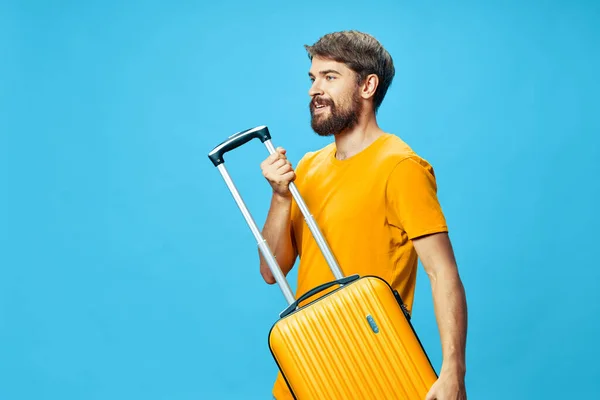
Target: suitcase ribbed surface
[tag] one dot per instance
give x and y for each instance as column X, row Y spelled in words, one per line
column 354, row 343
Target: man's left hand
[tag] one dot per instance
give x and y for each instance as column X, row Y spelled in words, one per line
column 449, row 386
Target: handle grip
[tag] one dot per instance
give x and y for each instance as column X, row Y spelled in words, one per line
column 236, row 140
column 292, row 307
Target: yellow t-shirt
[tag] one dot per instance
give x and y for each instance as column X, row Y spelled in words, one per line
column 368, row 207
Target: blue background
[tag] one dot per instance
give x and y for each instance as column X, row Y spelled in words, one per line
column 127, row 271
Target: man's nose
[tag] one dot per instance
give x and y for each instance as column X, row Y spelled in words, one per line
column 315, row 89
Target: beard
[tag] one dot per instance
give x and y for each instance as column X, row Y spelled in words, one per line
column 339, row 119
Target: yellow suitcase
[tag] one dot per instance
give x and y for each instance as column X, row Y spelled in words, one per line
column 355, row 341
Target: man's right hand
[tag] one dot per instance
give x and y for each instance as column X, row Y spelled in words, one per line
column 278, row 171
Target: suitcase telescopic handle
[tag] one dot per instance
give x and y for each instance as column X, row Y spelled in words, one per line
column 216, row 156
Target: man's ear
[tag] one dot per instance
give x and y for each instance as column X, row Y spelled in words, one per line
column 369, row 86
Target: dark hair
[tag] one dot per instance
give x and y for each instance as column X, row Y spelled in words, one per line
column 362, row 53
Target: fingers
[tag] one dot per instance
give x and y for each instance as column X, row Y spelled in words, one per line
column 431, row 395
column 276, row 161
column 279, row 163
column 279, row 153
column 289, row 176
column 278, row 170
column 272, row 158
column 282, row 165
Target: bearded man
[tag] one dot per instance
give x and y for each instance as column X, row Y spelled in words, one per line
column 373, row 197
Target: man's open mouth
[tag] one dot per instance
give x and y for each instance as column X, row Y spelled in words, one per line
column 319, row 106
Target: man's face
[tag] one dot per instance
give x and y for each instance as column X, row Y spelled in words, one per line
column 335, row 103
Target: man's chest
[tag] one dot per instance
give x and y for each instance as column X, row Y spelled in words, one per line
column 342, row 198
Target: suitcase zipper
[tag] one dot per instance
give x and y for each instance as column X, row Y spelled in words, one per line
column 401, row 303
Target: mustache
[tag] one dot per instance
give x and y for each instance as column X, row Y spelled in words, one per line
column 321, row 101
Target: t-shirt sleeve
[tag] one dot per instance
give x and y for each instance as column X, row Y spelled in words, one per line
column 412, row 202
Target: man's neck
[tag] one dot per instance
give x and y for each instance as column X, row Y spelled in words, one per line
column 353, row 141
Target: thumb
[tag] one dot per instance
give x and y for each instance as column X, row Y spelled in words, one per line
column 431, row 395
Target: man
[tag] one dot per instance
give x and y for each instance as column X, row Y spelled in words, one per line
column 374, row 199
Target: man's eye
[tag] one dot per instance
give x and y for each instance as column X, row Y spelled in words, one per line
column 330, row 77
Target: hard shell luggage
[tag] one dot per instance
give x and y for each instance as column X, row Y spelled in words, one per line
column 354, row 342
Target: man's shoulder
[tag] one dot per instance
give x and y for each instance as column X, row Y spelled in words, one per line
column 402, row 160
column 394, row 151
column 395, row 146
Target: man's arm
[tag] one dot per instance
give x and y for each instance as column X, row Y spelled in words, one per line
column 277, row 233
column 278, row 171
column 437, row 257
